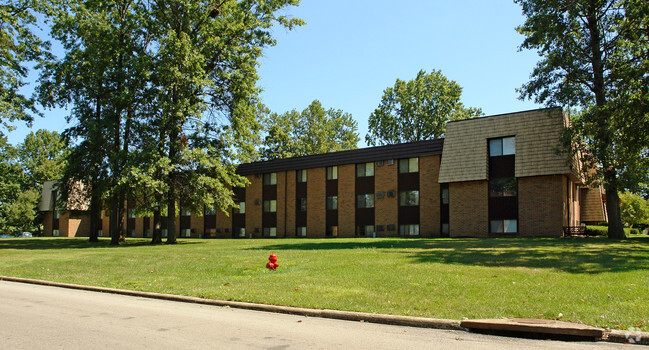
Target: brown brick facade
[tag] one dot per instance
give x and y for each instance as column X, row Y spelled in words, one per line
column 316, row 201
column 539, row 197
column 254, row 206
column 429, row 196
column 346, row 200
column 548, row 194
column 469, row 208
column 386, row 209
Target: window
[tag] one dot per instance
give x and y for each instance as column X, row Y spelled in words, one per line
column 186, row 232
column 55, row 233
column 270, row 179
column 270, row 231
column 408, row 165
column 409, row 230
column 366, row 230
column 301, row 204
column 100, row 233
column 147, row 232
column 210, row 209
column 165, row 232
column 502, row 146
column 445, row 195
column 300, row 231
column 270, row 206
column 445, row 229
column 502, row 187
column 332, row 173
column 332, row 203
column 241, row 209
column 332, row 231
column 504, row 226
column 408, row 198
column 56, row 214
column 186, row 212
column 239, row 232
column 301, row 175
column 364, row 169
column 365, row 200
column 130, row 213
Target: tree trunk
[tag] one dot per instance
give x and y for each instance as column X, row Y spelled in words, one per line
column 94, row 218
column 114, row 231
column 156, row 238
column 171, row 218
column 615, row 228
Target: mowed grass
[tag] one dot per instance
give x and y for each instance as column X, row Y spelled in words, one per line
column 594, row 280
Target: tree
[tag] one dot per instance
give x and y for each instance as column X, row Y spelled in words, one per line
column 18, row 46
column 104, row 75
column 312, row 131
column 11, row 181
column 417, row 110
column 164, row 95
column 634, row 209
column 42, row 157
column 594, row 57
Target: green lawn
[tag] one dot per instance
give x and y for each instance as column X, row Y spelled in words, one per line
column 592, row 280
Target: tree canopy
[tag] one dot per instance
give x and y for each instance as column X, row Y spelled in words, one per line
column 417, row 110
column 165, row 99
column 312, row 131
column 18, row 47
column 595, row 58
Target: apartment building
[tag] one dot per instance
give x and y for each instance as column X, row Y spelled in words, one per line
column 500, row 175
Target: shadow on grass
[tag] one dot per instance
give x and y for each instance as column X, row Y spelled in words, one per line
column 573, row 255
column 70, row 243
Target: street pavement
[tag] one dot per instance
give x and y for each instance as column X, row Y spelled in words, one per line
column 44, row 317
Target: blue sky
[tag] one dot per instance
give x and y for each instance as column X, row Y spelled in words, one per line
column 350, row 51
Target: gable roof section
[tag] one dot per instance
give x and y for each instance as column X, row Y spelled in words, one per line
column 537, row 134
column 361, row 155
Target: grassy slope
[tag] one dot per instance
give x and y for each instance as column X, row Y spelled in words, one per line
column 594, row 280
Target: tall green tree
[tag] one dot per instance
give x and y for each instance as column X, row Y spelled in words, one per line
column 42, row 158
column 594, row 57
column 11, row 181
column 417, row 110
column 105, row 76
column 19, row 46
column 312, row 131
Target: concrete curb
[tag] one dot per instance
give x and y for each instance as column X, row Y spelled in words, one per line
column 324, row 313
column 627, row 337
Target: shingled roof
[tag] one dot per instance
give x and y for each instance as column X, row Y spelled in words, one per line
column 361, row 155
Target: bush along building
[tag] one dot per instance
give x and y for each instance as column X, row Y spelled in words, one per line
column 500, row 175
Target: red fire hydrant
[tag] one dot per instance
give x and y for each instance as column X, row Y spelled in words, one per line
column 272, row 262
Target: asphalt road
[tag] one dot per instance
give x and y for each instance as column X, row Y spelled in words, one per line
column 41, row 317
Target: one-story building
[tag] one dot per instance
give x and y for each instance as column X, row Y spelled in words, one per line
column 501, row 175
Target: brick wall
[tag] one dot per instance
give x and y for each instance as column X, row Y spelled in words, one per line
column 64, row 217
column 540, row 205
column 253, row 211
column 316, row 201
column 224, row 221
column 282, row 182
column 197, row 224
column 469, row 208
column 346, row 200
column 429, row 196
column 47, row 223
column 386, row 209
column 290, row 203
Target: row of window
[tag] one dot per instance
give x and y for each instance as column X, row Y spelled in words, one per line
column 406, row 165
column 406, row 198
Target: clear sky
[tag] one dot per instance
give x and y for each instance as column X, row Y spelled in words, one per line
column 351, row 50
